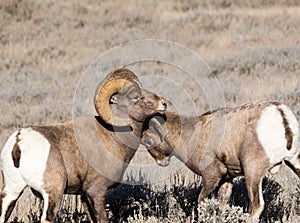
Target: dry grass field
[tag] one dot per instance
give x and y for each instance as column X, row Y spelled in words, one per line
column 253, row 48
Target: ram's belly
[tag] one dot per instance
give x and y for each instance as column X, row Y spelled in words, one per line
column 232, row 163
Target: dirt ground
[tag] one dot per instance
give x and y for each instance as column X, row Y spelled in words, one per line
column 253, row 48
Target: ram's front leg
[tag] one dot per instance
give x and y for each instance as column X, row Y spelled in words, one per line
column 254, row 171
column 96, row 196
column 224, row 194
column 88, row 208
column 211, row 177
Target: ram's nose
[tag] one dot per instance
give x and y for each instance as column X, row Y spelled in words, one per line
column 163, row 105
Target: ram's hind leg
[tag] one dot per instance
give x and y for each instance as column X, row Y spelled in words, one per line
column 51, row 207
column 254, row 171
column 8, row 199
column 52, row 202
column 55, row 180
column 254, row 188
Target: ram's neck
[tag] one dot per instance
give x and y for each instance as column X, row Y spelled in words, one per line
column 137, row 128
column 184, row 139
column 120, row 143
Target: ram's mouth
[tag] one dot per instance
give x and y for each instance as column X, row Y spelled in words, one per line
column 163, row 162
column 161, row 111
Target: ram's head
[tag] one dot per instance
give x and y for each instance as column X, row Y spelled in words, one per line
column 154, row 140
column 121, row 100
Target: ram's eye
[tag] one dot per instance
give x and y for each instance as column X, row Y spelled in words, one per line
column 135, row 98
column 149, row 143
column 149, row 104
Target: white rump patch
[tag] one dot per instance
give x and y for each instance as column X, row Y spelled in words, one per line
column 12, row 176
column 271, row 134
column 35, row 150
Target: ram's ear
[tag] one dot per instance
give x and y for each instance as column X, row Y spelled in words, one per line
column 114, row 99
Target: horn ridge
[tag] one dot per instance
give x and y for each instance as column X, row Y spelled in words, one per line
column 109, row 86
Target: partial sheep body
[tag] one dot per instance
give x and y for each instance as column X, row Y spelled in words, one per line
column 51, row 163
column 48, row 158
column 249, row 140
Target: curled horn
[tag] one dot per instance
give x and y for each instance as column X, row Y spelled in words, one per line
column 155, row 125
column 107, row 88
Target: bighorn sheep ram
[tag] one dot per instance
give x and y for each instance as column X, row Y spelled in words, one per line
column 47, row 158
column 256, row 138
